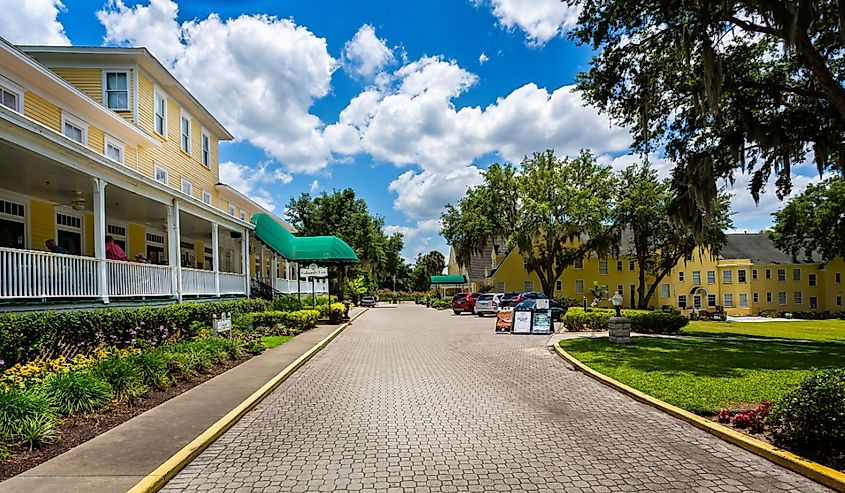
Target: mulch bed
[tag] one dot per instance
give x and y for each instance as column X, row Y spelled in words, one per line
column 77, row 430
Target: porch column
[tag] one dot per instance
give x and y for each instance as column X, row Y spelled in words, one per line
column 173, row 247
column 215, row 257
column 287, row 276
column 100, row 237
column 245, row 259
column 274, row 271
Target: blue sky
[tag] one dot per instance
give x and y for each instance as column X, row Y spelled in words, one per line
column 406, row 102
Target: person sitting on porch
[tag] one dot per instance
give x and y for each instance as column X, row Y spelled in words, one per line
column 140, row 258
column 113, row 250
column 54, row 248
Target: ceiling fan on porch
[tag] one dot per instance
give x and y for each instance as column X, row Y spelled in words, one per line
column 77, row 203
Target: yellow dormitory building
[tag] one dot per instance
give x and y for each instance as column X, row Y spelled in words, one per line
column 98, row 142
column 749, row 276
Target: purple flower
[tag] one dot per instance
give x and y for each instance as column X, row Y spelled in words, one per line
column 2, row 362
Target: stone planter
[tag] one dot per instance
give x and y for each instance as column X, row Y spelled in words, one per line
column 619, row 330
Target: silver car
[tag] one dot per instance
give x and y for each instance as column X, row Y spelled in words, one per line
column 488, row 303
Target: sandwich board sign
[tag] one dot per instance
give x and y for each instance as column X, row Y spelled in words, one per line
column 314, row 271
column 504, row 321
column 522, row 322
column 542, row 322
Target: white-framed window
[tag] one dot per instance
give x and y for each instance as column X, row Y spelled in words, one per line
column 768, row 273
column 743, row 300
column 161, row 174
column 756, row 297
column 528, row 286
column 206, row 197
column 11, row 96
column 69, row 233
column 798, row 297
column 814, row 303
column 754, row 274
column 782, row 297
column 620, row 289
column 839, row 301
column 728, row 300
column 500, row 287
column 632, row 264
column 243, row 215
column 558, row 285
column 727, row 276
column 664, row 290
column 114, row 149
column 682, row 276
column 579, row 263
column 185, row 133
column 711, row 277
column 160, row 113
column 187, row 187
column 116, row 89
column 231, row 210
column 13, row 217
column 618, row 266
column 74, row 128
column 768, row 297
column 741, row 275
column 796, row 274
column 603, row 267
column 696, row 301
column 711, row 300
column 682, row 301
column 696, row 277
column 579, row 286
column 781, row 274
column 811, row 279
column 206, row 150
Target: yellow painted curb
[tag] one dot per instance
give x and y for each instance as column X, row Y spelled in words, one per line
column 813, row 470
column 163, row 473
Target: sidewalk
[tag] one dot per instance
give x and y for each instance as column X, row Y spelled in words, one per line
column 118, row 459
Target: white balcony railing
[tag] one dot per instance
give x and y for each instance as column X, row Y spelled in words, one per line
column 232, row 283
column 287, row 286
column 32, row 274
column 134, row 279
column 197, row 282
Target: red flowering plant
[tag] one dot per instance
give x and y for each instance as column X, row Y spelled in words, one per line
column 724, row 416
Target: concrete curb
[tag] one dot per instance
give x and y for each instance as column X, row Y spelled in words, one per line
column 817, row 472
column 163, row 473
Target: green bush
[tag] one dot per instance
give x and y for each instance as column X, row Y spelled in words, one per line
column 642, row 321
column 300, row 319
column 26, row 416
column 441, row 304
column 287, row 303
column 810, row 420
column 77, row 392
column 125, row 378
column 24, row 337
column 153, row 369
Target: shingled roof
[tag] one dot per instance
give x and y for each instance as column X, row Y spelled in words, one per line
column 757, row 247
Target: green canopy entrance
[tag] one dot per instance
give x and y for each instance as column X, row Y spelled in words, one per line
column 440, row 280
column 316, row 249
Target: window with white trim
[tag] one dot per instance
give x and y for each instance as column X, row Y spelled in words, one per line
column 11, row 97
column 768, row 297
column 116, row 90
column 711, row 300
column 579, row 286
column 741, row 275
column 579, row 263
column 756, row 297
column 619, row 266
column 206, row 150
column 231, row 210
column 696, row 277
column 620, row 289
column 160, row 113
column 839, row 301
column 727, row 276
column 74, row 129
column 682, row 301
column 206, row 197
column 603, row 267
column 187, row 187
column 728, row 300
column 696, row 301
column 681, row 276
column 528, row 286
column 13, row 217
column 781, row 274
column 814, row 303
column 500, row 287
column 768, row 273
column 811, row 279
column 743, row 300
column 114, row 149
column 243, row 215
column 664, row 290
column 185, row 133
column 161, row 174
column 798, row 298
column 754, row 274
column 711, row 277
column 782, row 297
column 796, row 274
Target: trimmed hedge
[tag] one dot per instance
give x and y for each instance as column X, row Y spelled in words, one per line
column 24, row 337
column 300, row 319
column 642, row 321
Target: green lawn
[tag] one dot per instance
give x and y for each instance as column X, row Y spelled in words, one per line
column 815, row 330
column 704, row 376
column 272, row 341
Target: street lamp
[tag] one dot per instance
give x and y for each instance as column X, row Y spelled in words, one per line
column 616, row 299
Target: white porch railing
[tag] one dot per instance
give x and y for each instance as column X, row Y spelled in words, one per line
column 134, row 279
column 232, row 283
column 197, row 282
column 32, row 274
column 288, row 286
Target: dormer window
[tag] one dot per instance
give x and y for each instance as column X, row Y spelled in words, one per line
column 74, row 129
column 10, row 97
column 115, row 150
column 116, row 90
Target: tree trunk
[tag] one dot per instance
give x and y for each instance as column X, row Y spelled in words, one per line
column 654, row 285
column 833, row 90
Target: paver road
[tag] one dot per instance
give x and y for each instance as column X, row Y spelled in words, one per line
column 410, row 399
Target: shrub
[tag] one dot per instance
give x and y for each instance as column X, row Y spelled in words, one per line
column 809, row 420
column 77, row 392
column 642, row 321
column 441, row 304
column 153, row 369
column 125, row 378
column 26, row 416
column 287, row 303
column 300, row 319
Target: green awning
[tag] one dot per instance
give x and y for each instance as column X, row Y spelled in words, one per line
column 448, row 280
column 318, row 249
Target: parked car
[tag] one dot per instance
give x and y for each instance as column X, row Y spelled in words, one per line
column 368, row 301
column 488, row 303
column 508, row 300
column 463, row 303
column 557, row 310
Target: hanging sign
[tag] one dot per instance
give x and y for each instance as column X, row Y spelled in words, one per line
column 314, row 271
column 504, row 321
column 542, row 322
column 522, row 322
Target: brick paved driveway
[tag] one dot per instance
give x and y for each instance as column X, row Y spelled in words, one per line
column 410, row 399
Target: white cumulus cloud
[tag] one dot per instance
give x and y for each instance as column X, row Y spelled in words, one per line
column 32, row 22
column 152, row 26
column 253, row 182
column 541, row 20
column 365, row 55
column 482, row 59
